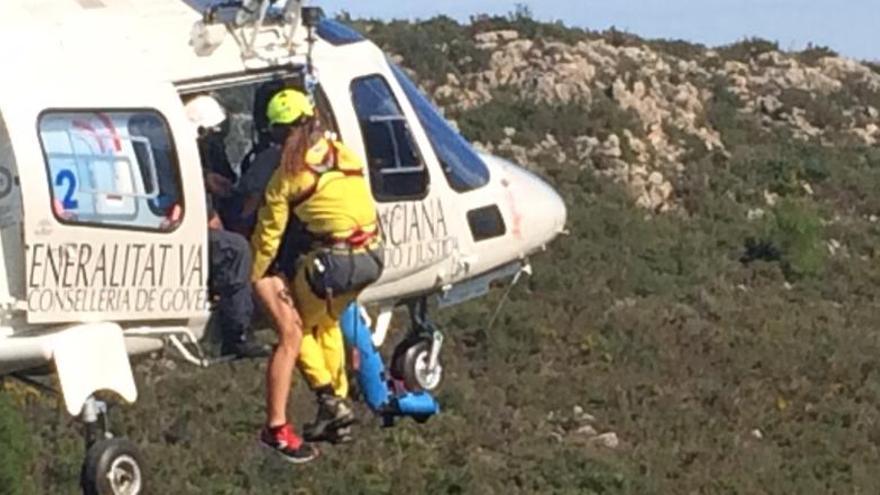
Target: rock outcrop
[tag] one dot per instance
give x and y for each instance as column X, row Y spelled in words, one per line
column 669, row 95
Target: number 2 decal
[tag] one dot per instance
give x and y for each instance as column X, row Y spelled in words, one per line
column 67, row 176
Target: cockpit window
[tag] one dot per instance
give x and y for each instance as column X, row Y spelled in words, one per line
column 397, row 170
column 337, row 33
column 112, row 168
column 464, row 169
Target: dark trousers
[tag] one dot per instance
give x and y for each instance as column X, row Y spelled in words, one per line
column 229, row 280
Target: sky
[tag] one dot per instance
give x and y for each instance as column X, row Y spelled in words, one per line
column 850, row 27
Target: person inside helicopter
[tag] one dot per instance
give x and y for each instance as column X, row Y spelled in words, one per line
column 229, row 253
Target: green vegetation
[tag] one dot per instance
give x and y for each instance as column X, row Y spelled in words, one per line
column 16, row 451
column 435, row 48
column 747, row 49
column 564, row 122
column 522, row 21
column 679, row 48
column 793, row 237
column 813, row 53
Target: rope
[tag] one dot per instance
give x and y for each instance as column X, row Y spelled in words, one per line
column 503, row 300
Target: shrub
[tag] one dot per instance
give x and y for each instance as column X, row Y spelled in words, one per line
column 798, row 232
column 783, row 168
column 795, row 98
column 564, row 121
column 813, row 53
column 522, row 21
column 863, row 91
column 431, row 48
column 827, row 112
column 793, row 237
column 618, row 38
column 747, row 49
column 823, row 111
column 682, row 49
column 15, row 450
column 723, row 114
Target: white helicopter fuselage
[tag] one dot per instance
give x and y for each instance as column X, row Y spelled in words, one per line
column 91, row 111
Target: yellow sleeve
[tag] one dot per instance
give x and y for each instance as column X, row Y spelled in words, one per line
column 272, row 218
column 348, row 159
column 271, row 223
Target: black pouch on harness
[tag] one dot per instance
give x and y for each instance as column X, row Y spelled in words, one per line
column 335, row 272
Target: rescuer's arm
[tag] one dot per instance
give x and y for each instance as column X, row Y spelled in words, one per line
column 271, row 222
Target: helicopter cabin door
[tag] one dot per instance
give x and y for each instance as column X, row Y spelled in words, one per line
column 113, row 201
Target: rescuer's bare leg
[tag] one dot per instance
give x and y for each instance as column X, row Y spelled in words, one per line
column 276, row 299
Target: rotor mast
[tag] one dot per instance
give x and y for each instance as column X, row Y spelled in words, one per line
column 263, row 29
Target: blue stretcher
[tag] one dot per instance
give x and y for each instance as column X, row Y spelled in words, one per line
column 377, row 389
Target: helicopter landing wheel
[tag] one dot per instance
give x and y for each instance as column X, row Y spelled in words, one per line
column 412, row 365
column 113, row 467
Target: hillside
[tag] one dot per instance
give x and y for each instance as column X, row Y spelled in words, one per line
column 709, row 326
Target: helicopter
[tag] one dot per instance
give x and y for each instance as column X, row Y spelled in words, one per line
column 103, row 223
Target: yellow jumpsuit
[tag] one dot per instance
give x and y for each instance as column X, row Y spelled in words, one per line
column 332, row 200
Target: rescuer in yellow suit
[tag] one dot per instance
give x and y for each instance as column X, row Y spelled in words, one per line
column 322, row 183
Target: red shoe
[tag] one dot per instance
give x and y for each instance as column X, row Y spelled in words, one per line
column 288, row 445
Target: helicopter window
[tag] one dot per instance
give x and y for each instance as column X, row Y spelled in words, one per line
column 486, row 223
column 112, row 168
column 397, row 170
column 463, row 168
column 337, row 33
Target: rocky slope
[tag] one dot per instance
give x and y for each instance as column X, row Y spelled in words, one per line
column 818, row 96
